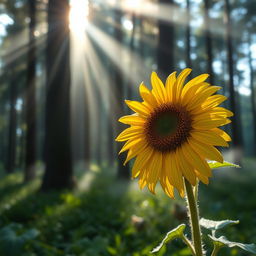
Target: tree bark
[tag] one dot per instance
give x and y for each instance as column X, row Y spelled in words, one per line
column 30, row 156
column 87, row 134
column 4, row 131
column 188, row 34
column 208, row 41
column 165, row 49
column 122, row 171
column 236, row 138
column 58, row 173
column 11, row 157
column 253, row 95
column 131, row 63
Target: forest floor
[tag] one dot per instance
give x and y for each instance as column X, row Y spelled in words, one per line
column 105, row 216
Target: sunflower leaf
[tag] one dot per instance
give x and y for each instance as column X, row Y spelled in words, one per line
column 223, row 241
column 214, row 164
column 171, row 235
column 215, row 225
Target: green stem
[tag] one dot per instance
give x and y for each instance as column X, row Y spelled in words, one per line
column 195, row 190
column 188, row 243
column 194, row 219
column 215, row 250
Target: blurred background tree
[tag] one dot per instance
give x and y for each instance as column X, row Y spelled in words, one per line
column 65, row 74
column 125, row 42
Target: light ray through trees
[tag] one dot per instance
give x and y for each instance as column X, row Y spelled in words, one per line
column 84, row 37
column 19, row 44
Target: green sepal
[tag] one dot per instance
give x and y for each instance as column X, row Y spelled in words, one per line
column 215, row 225
column 222, row 241
column 171, row 235
column 214, row 164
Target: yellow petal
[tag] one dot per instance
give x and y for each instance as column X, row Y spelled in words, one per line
column 138, row 107
column 143, row 178
column 186, row 168
column 129, row 133
column 209, row 115
column 193, row 82
column 209, row 137
column 147, row 96
column 205, row 150
column 222, row 111
column 192, row 92
column 209, row 123
column 145, row 103
column 195, row 160
column 154, row 169
column 173, row 172
column 166, row 185
column 134, row 151
column 132, row 143
column 158, row 88
column 180, row 81
column 201, row 177
column 214, row 101
column 223, row 134
column 141, row 161
column 170, row 81
column 201, row 97
column 132, row 120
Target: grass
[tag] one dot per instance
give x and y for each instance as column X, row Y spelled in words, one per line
column 102, row 217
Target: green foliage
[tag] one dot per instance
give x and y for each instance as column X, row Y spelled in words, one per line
column 98, row 221
column 210, row 225
column 215, row 225
column 171, row 235
column 214, row 164
column 13, row 239
column 223, row 241
column 86, row 246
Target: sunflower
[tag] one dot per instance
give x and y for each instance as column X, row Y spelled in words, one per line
column 174, row 131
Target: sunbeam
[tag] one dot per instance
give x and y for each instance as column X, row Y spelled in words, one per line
column 78, row 16
column 169, row 13
column 113, row 46
column 19, row 44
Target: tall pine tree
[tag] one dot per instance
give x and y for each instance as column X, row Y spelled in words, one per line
column 165, row 50
column 30, row 94
column 58, row 173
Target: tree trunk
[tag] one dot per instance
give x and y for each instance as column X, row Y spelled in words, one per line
column 99, row 123
column 232, row 94
column 131, row 61
column 110, row 151
column 58, row 173
column 188, row 34
column 30, row 157
column 11, row 157
column 87, row 134
column 122, row 171
column 110, row 154
column 4, row 113
column 141, row 46
column 208, row 41
column 22, row 140
column 165, row 49
column 253, row 95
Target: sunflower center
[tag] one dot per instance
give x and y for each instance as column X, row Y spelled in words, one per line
column 168, row 127
column 166, row 124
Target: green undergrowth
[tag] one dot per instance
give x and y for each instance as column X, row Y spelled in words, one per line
column 110, row 217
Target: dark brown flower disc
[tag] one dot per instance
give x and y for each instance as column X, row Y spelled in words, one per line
column 168, row 127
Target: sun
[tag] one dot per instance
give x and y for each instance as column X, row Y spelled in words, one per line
column 78, row 16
